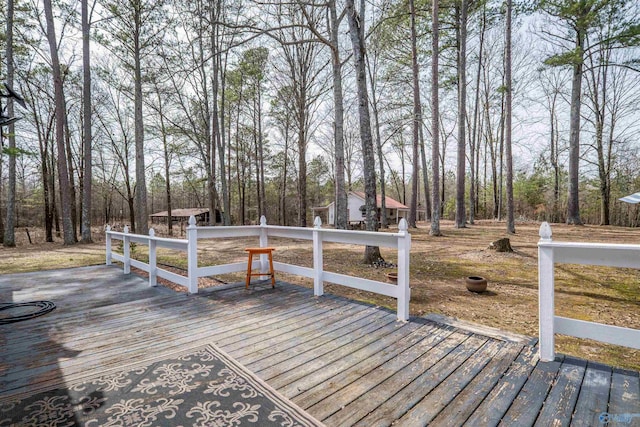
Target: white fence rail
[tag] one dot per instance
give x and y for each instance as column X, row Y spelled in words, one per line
column 317, row 236
column 551, row 253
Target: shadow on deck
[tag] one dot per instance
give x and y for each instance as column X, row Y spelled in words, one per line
column 344, row 362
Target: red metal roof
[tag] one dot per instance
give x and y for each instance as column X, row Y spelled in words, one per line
column 388, row 201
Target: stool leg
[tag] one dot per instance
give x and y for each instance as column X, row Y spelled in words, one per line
column 246, row 286
column 273, row 276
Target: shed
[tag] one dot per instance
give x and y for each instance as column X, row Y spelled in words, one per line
column 355, row 201
column 182, row 215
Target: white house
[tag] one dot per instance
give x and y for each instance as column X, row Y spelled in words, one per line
column 355, row 209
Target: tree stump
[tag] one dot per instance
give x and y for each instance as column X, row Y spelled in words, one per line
column 501, row 245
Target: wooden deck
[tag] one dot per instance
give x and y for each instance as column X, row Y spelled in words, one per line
column 345, row 362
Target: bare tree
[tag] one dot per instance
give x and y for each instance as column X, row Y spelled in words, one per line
column 417, row 119
column 435, row 125
column 219, row 65
column 356, row 31
column 115, row 121
column 373, row 59
column 166, row 151
column 475, row 140
column 43, row 112
column 462, row 116
column 63, row 174
column 9, row 234
column 87, row 122
column 511, row 227
column 135, row 29
column 301, row 67
column 612, row 94
column 332, row 41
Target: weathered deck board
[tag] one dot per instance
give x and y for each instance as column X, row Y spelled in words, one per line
column 429, row 407
column 594, row 395
column 364, row 385
column 317, row 385
column 290, row 369
column 163, row 327
column 346, row 363
column 273, row 351
column 624, row 397
column 402, row 401
column 562, row 398
column 463, row 405
column 496, row 404
column 392, row 377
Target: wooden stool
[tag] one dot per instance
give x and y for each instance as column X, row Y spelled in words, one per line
column 260, row 251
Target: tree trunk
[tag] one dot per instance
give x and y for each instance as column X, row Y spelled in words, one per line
column 87, row 121
column 52, row 183
column 256, row 153
column 302, row 171
column 443, row 173
column 1, row 164
column 48, row 214
column 490, row 144
column 461, row 216
column 425, row 175
column 263, row 196
column 283, row 194
column 473, row 195
column 167, row 180
column 72, row 181
column 9, row 232
column 501, row 153
column 435, row 125
column 573, row 206
column 341, row 192
column 63, row 175
column 141, row 215
column 240, row 178
column 1, row 192
column 417, row 119
column 132, row 217
column 356, row 31
column 597, row 84
column 218, row 117
column 555, row 163
column 43, row 137
column 167, row 161
column 511, row 227
column 384, row 220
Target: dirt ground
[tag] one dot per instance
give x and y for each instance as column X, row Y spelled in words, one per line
column 438, row 268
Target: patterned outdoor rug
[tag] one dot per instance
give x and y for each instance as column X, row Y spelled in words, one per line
column 205, row 387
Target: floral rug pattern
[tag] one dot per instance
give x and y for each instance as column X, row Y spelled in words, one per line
column 205, row 387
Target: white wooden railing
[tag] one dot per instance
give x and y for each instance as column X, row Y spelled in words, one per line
column 551, row 253
column 316, row 235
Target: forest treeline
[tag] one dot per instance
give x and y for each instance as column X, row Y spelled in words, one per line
column 460, row 109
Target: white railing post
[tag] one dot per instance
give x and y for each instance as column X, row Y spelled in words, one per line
column 192, row 255
column 108, row 241
column 318, row 284
column 153, row 268
column 546, row 298
column 404, row 250
column 127, row 250
column 264, row 242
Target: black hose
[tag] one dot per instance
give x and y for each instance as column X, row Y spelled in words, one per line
column 44, row 308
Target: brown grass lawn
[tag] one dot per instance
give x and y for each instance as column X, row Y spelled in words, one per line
column 438, row 268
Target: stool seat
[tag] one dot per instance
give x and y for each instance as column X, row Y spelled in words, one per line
column 260, row 251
